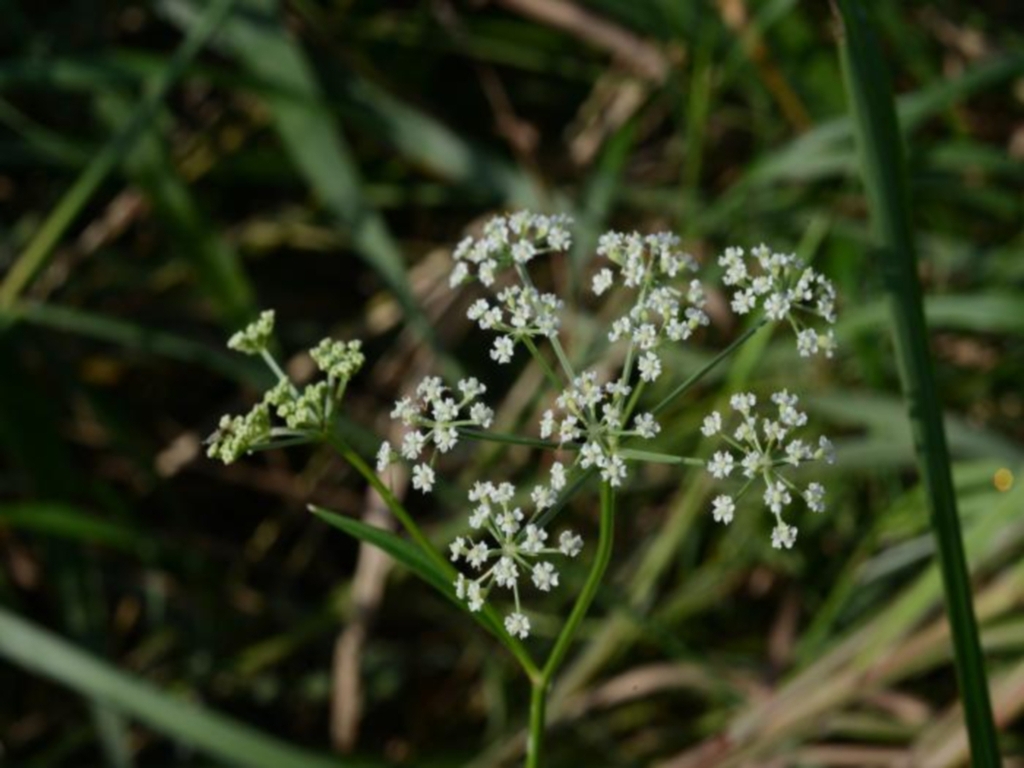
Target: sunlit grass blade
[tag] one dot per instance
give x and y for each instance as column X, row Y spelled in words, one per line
column 41, row 652
column 39, row 249
column 880, row 145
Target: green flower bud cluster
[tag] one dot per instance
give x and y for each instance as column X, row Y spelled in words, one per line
column 307, row 413
column 338, row 359
column 237, row 435
column 254, row 339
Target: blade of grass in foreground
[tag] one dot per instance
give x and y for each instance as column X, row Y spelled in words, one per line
column 39, row 249
column 39, row 651
column 880, row 147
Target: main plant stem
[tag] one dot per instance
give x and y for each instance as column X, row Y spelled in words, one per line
column 542, row 682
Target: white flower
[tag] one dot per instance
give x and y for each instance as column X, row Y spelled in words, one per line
column 457, row 548
column 385, row 455
column 471, row 388
column 423, row 478
column 614, row 471
column 547, row 424
column 712, row 424
column 542, row 497
column 649, row 366
column 743, row 302
column 721, row 465
column 517, row 625
column 412, row 445
column 603, row 281
column 477, row 555
column 557, row 476
column 743, row 402
column 545, row 576
column 783, row 536
column 815, row 497
column 723, row 508
column 825, row 450
column 570, row 544
column 591, row 454
column 481, row 414
column 646, row 426
column 506, row 573
column 807, row 342
column 502, row 350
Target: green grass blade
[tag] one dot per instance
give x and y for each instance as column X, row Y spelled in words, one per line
column 41, row 652
column 880, row 145
column 39, row 249
column 260, row 41
column 219, row 270
column 69, row 522
column 139, row 338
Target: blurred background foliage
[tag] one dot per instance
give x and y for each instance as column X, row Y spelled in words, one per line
column 168, row 169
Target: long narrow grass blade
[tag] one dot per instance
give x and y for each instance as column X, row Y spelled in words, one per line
column 880, row 146
column 260, row 41
column 41, row 652
column 74, row 200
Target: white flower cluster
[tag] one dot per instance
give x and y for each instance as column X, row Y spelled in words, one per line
column 786, row 289
column 649, row 264
column 518, row 547
column 508, row 240
column 520, row 311
column 764, row 447
column 433, row 417
column 593, row 413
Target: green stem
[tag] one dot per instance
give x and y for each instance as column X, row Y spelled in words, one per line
column 503, row 437
column 879, row 143
column 548, row 371
column 740, row 340
column 565, row 638
column 563, row 359
column 535, row 736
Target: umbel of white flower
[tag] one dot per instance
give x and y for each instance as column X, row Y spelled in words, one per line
column 432, row 417
column 512, row 549
column 786, row 289
column 593, row 414
column 761, row 448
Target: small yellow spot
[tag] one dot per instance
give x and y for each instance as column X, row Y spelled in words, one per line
column 1003, row 479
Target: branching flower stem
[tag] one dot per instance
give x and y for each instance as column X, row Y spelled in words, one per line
column 542, row 682
column 693, row 379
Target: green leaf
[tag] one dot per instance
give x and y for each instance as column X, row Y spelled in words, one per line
column 41, row 652
column 406, row 553
column 402, row 550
